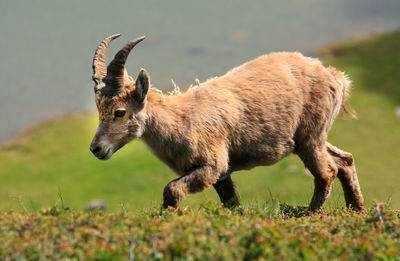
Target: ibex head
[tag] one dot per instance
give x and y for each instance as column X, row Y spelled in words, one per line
column 119, row 99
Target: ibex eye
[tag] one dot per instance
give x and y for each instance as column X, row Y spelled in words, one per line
column 119, row 113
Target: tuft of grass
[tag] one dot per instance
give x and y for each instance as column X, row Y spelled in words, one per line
column 54, row 156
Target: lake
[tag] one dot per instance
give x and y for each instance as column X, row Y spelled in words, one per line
column 46, row 47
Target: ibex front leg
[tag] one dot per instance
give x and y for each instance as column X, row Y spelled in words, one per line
column 226, row 192
column 196, row 181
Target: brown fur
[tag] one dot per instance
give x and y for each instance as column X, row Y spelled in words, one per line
column 256, row 114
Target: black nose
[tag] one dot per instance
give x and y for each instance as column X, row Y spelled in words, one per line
column 94, row 150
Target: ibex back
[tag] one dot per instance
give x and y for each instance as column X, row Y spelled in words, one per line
column 256, row 114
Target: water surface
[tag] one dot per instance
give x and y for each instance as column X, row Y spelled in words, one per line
column 46, row 46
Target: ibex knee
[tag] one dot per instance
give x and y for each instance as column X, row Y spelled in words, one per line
column 326, row 178
column 173, row 194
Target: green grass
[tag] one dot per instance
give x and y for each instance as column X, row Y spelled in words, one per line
column 274, row 232
column 54, row 156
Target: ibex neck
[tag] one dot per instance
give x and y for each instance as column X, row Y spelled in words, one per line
column 164, row 114
column 165, row 126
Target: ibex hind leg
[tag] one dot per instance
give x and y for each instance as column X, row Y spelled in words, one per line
column 226, row 192
column 322, row 167
column 347, row 176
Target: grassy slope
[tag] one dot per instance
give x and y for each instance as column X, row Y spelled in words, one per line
column 55, row 154
column 209, row 233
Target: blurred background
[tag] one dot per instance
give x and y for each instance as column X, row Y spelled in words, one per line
column 46, row 50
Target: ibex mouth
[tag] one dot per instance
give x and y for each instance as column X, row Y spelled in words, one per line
column 106, row 155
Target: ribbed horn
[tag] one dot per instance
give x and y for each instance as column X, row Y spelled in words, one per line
column 99, row 60
column 116, row 69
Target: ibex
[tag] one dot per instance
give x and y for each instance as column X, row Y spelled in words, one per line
column 256, row 114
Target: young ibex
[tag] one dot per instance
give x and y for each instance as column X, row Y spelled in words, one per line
column 256, row 114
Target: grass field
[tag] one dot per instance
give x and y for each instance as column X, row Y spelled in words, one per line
column 274, row 232
column 53, row 158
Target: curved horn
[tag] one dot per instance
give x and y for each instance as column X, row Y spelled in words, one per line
column 99, row 60
column 116, row 69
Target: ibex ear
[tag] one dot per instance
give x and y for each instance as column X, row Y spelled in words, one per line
column 142, row 86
